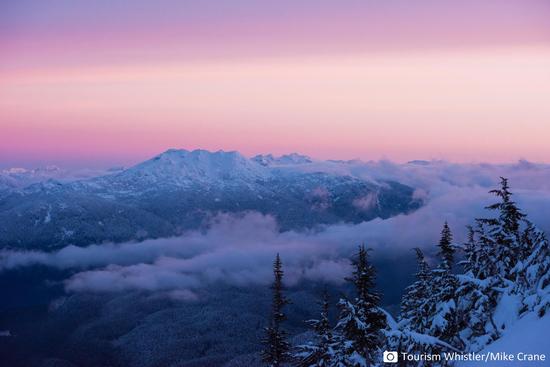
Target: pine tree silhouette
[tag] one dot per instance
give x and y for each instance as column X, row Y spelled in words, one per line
column 276, row 350
column 446, row 249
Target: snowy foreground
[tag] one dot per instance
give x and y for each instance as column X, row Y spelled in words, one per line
column 495, row 312
column 529, row 335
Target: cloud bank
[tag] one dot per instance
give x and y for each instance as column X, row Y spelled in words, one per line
column 239, row 250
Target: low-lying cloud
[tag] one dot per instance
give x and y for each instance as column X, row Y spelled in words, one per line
column 239, row 250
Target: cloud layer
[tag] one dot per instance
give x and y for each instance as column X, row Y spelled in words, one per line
column 239, row 250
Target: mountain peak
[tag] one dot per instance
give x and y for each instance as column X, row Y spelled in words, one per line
column 181, row 167
column 198, row 153
column 285, row 159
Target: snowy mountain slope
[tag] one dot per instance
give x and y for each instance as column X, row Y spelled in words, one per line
column 179, row 190
column 184, row 168
column 12, row 179
column 528, row 335
column 16, row 178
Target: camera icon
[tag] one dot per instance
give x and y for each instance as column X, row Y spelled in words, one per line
column 390, row 357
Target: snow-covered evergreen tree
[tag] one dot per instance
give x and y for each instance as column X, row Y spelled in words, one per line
column 470, row 262
column 507, row 270
column 276, row 346
column 532, row 271
column 446, row 248
column 476, row 296
column 415, row 306
column 361, row 321
column 321, row 351
column 444, row 320
column 415, row 316
column 505, row 230
column 505, row 276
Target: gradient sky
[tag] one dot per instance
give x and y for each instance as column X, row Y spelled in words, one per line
column 114, row 82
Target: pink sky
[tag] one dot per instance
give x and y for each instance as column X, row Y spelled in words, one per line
column 86, row 83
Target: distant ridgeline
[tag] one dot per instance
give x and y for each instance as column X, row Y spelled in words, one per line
column 453, row 308
column 180, row 190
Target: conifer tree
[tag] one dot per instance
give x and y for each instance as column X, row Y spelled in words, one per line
column 510, row 215
column 507, row 256
column 532, row 271
column 505, row 230
column 276, row 346
column 412, row 332
column 415, row 307
column 361, row 321
column 470, row 263
column 476, row 296
column 485, row 265
column 319, row 353
column 415, row 312
column 506, row 262
column 446, row 249
column 444, row 320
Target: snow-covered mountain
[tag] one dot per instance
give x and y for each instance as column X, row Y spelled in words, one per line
column 286, row 159
column 16, row 178
column 185, row 168
column 180, row 190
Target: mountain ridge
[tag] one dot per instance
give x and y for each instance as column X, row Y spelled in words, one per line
column 181, row 190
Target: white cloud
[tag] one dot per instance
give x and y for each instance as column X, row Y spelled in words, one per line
column 239, row 250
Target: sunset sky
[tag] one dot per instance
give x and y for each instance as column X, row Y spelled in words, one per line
column 86, row 83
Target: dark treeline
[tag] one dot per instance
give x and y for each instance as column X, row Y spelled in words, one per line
column 462, row 303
